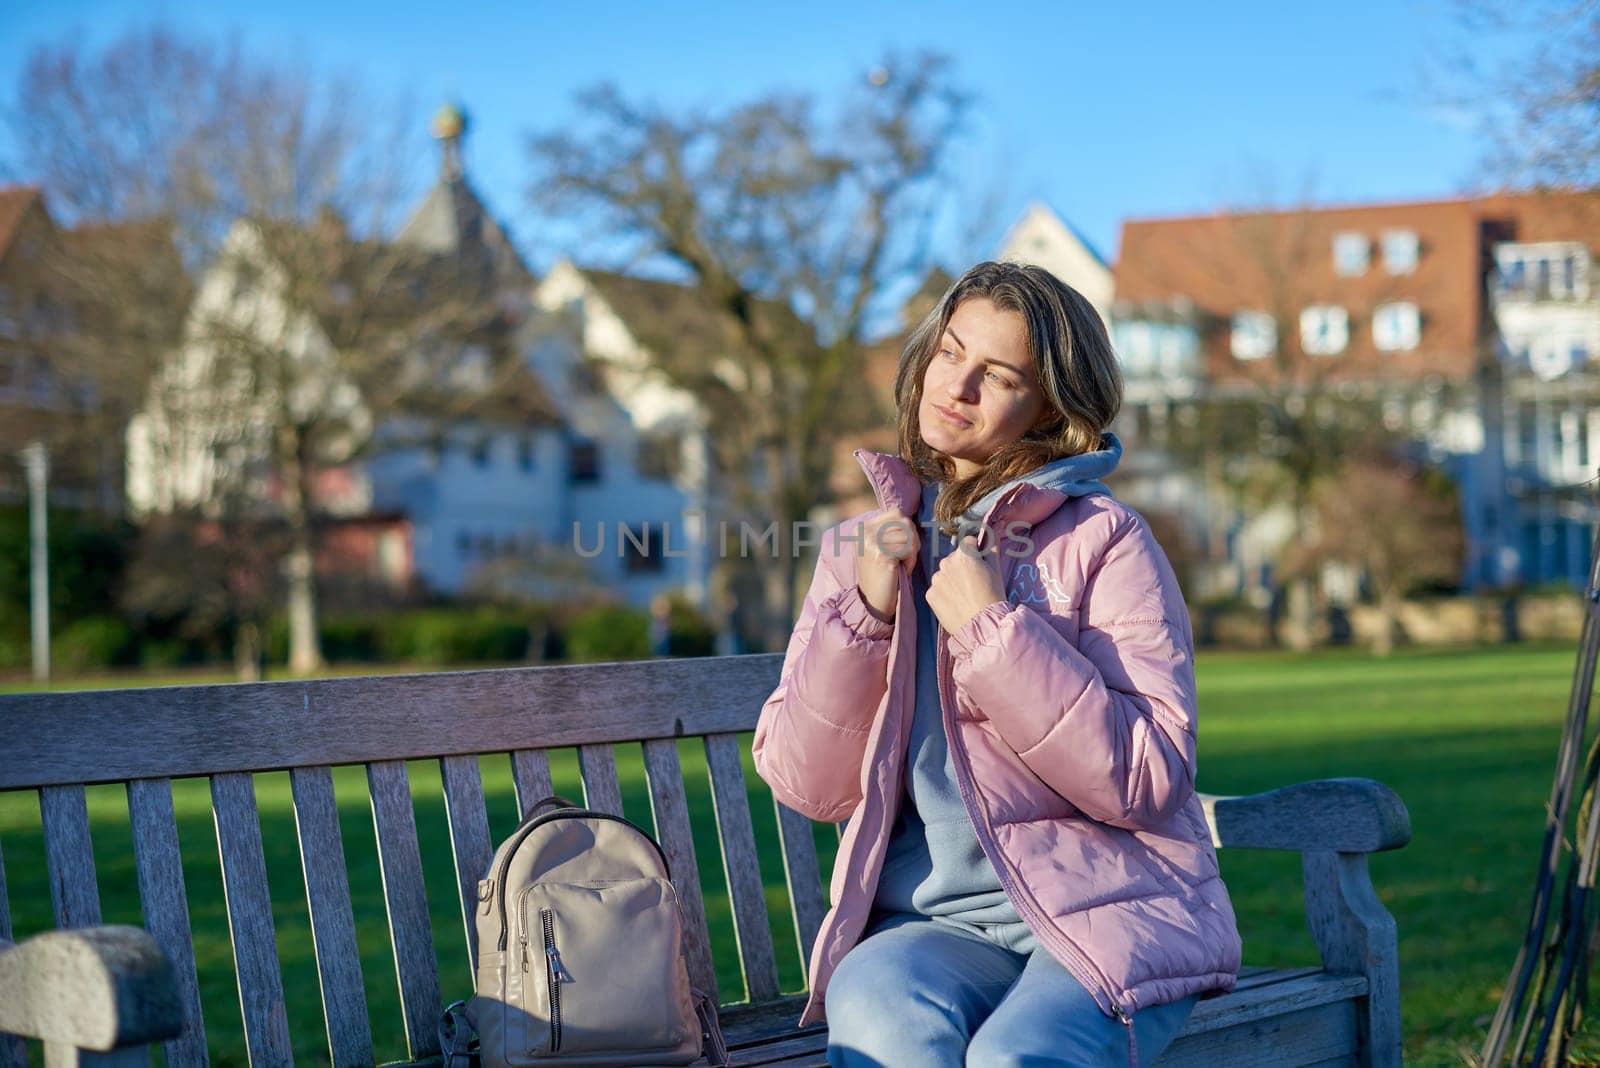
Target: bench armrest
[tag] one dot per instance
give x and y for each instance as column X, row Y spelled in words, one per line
column 92, row 988
column 1325, row 815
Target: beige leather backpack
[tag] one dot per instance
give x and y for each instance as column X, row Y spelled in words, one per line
column 580, row 952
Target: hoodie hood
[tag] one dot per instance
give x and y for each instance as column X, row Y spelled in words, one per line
column 1071, row 476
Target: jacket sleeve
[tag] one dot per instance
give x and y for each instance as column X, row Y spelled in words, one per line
column 1109, row 724
column 812, row 734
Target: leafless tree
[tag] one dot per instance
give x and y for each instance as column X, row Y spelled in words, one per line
column 309, row 337
column 1394, row 523
column 1534, row 97
column 792, row 228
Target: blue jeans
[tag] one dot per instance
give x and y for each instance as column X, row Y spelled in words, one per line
column 926, row 993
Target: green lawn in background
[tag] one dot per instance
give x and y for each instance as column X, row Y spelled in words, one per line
column 1466, row 737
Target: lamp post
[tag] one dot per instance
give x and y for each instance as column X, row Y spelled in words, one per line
column 37, row 462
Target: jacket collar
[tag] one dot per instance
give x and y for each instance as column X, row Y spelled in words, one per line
column 899, row 490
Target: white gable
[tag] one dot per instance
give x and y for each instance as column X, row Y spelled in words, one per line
column 1040, row 237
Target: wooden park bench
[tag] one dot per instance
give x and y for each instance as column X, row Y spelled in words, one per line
column 103, row 993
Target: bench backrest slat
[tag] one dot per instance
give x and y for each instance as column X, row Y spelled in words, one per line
column 70, row 856
column 601, row 791
column 670, row 808
column 255, row 953
column 333, row 923
column 165, row 905
column 400, row 861
column 804, row 877
column 469, row 838
column 739, row 860
column 202, row 730
column 530, row 771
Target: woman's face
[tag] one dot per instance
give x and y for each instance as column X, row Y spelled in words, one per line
column 979, row 391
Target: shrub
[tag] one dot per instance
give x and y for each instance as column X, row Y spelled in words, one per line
column 94, row 642
column 608, row 632
column 689, row 633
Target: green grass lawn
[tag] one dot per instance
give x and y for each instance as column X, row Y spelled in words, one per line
column 1466, row 737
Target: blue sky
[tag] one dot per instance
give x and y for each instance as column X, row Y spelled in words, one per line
column 1105, row 114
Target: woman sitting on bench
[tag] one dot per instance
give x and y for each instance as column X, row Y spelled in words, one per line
column 992, row 680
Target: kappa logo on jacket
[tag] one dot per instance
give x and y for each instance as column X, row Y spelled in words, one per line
column 1033, row 584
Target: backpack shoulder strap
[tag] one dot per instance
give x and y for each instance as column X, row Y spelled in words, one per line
column 458, row 1042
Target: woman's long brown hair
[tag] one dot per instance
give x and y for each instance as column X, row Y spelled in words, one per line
column 1074, row 365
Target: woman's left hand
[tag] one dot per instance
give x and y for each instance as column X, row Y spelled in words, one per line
column 965, row 584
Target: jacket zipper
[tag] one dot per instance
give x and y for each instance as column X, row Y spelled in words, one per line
column 553, row 973
column 560, row 814
column 1082, row 968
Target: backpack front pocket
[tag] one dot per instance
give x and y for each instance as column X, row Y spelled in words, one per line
column 603, row 968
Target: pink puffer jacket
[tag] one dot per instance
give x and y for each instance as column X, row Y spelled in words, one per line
column 1070, row 711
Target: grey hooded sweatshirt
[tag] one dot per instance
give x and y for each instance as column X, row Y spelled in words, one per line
column 934, row 866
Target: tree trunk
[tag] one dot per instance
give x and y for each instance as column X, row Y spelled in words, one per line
column 1302, row 628
column 247, row 651
column 305, row 643
column 1388, row 624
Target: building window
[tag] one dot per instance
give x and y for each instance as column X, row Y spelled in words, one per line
column 1551, row 270
column 1254, row 335
column 1401, row 251
column 525, row 453
column 641, row 549
column 463, row 544
column 1351, row 253
column 583, row 462
column 657, row 456
column 480, row 452
column 1396, row 326
column 1324, row 330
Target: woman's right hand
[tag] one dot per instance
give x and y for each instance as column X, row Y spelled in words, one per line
column 889, row 541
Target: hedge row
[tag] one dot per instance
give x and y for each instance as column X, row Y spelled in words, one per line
column 425, row 636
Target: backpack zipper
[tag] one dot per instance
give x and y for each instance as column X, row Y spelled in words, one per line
column 560, row 814
column 554, row 976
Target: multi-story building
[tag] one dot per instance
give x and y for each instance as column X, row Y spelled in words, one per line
column 56, row 388
column 1470, row 324
column 572, row 497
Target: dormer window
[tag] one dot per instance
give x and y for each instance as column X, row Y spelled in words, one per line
column 1324, row 330
column 1254, row 335
column 1351, row 253
column 1400, row 251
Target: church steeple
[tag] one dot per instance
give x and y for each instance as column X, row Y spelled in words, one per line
column 449, row 126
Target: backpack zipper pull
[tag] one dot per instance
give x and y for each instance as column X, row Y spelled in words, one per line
column 524, row 952
column 558, row 970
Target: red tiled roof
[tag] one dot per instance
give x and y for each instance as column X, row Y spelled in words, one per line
column 1281, row 261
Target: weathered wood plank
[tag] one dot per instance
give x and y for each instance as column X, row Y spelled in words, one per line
column 1273, row 999
column 203, row 730
column 333, row 922
column 13, row 1052
column 406, row 898
column 244, row 886
column 469, row 839
column 1298, row 1037
column 69, row 856
column 670, row 808
column 530, row 770
column 1347, row 815
column 739, row 861
column 93, row 988
column 807, row 905
column 601, row 791
column 1355, row 934
column 165, row 905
